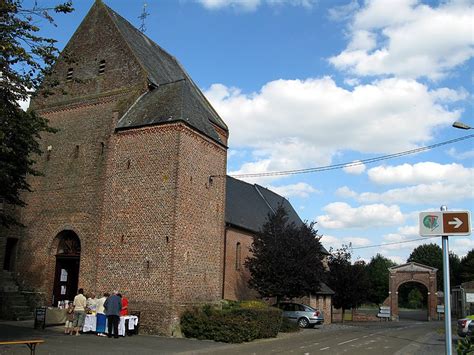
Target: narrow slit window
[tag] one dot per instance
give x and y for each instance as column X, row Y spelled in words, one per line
column 237, row 256
column 101, row 67
column 76, row 152
column 70, row 73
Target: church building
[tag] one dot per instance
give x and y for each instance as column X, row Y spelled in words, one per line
column 133, row 195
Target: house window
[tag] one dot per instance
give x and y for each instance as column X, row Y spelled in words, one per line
column 237, row 256
column 70, row 72
column 101, row 67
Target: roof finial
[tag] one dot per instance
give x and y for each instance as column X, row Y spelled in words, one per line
column 143, row 17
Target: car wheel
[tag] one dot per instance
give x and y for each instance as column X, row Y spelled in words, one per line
column 303, row 323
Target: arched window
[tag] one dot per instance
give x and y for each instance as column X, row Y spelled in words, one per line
column 238, row 256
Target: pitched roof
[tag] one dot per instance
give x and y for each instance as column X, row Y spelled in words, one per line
column 412, row 267
column 174, row 95
column 324, row 289
column 248, row 206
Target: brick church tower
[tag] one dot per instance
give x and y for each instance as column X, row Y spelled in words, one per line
column 127, row 201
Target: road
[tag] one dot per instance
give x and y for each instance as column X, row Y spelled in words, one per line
column 399, row 338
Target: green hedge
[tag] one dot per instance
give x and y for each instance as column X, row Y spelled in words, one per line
column 233, row 323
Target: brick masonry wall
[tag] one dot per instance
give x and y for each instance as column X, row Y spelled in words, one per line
column 321, row 302
column 235, row 279
column 68, row 196
column 83, row 54
column 84, row 110
column 162, row 228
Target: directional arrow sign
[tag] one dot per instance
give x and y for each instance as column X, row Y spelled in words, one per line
column 445, row 223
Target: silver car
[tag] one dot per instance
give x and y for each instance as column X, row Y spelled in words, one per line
column 304, row 315
column 466, row 326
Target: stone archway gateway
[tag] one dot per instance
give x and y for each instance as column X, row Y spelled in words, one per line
column 413, row 272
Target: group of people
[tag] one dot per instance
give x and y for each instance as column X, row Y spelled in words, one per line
column 108, row 309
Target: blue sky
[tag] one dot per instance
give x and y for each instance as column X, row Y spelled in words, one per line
column 309, row 83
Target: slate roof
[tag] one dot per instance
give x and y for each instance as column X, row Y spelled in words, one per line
column 247, row 206
column 324, row 289
column 174, row 95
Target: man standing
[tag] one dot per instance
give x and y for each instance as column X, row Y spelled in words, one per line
column 113, row 305
column 79, row 310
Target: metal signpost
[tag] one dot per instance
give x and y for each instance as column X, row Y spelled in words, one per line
column 445, row 224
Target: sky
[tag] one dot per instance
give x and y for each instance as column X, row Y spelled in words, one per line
column 309, row 83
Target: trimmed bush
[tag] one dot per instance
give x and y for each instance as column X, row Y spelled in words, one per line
column 232, row 323
column 287, row 326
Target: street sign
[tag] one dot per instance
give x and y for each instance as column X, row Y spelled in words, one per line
column 450, row 223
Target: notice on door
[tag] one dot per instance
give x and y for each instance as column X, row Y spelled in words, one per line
column 63, row 275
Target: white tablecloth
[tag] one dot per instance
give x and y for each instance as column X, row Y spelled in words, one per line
column 90, row 324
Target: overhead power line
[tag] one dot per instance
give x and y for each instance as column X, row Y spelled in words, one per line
column 393, row 243
column 353, row 163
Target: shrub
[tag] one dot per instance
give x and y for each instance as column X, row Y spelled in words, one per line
column 287, row 326
column 232, row 323
column 466, row 345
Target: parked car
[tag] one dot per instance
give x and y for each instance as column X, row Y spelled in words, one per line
column 304, row 315
column 466, row 326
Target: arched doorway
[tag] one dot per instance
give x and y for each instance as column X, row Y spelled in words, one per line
column 66, row 276
column 416, row 273
column 413, row 301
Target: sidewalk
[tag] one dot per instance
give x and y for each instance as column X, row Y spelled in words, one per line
column 56, row 342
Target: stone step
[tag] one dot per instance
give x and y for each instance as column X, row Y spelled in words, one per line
column 20, row 309
column 9, row 288
column 24, row 317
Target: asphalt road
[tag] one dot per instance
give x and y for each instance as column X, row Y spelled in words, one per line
column 400, row 338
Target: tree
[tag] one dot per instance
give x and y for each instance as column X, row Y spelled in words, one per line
column 467, row 267
column 454, row 269
column 378, row 274
column 286, row 259
column 26, row 58
column 415, row 299
column 349, row 282
column 432, row 255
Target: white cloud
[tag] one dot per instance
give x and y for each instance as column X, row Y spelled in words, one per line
column 422, row 193
column 401, row 241
column 461, row 245
column 252, row 5
column 245, row 5
column 408, row 39
column 424, row 172
column 292, row 124
column 346, row 192
column 354, row 168
column 357, row 241
column 300, row 189
column 342, row 215
column 343, row 12
column 430, row 183
column 399, row 260
column 452, row 152
column 329, row 241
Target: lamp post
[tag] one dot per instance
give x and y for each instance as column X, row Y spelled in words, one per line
column 461, row 125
